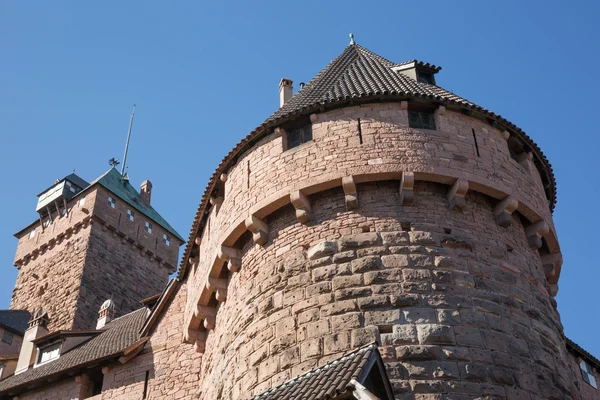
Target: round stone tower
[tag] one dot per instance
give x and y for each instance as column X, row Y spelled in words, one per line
column 375, row 206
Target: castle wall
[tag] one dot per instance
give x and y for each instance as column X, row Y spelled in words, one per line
column 51, row 280
column 68, row 389
column 118, row 271
column 92, row 254
column 459, row 304
column 266, row 175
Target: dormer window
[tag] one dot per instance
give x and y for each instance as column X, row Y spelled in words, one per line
column 587, row 373
column 421, row 119
column 425, row 77
column 49, row 353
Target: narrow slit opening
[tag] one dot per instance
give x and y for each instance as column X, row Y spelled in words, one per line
column 360, row 138
column 475, row 140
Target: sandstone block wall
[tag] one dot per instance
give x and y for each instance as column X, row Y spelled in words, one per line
column 92, row 254
column 459, row 304
column 263, row 178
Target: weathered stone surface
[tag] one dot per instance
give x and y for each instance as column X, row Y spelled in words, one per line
column 321, row 250
column 435, row 334
column 359, row 240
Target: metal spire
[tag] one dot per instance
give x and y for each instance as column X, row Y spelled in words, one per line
column 352, row 39
column 127, row 143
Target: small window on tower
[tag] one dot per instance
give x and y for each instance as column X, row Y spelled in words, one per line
column 148, row 226
column 421, row 120
column 299, row 136
column 111, row 202
column 130, row 215
column 587, row 373
column 166, row 240
column 63, row 212
column 32, row 234
column 81, row 202
column 7, row 337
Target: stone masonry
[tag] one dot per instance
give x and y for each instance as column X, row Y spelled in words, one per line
column 92, row 254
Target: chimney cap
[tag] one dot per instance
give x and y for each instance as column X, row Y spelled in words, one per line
column 108, row 305
column 285, row 82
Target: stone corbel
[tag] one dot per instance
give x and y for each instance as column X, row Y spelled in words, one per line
column 216, row 201
column 223, row 177
column 404, row 105
column 313, row 118
column 407, row 184
column 200, row 343
column 208, row 314
column 534, row 233
column 259, row 229
column 232, row 256
column 525, row 158
column 198, row 240
column 505, row 135
column 351, row 196
column 219, row 286
column 552, row 263
column 553, row 289
column 456, row 195
column 302, row 206
column 504, row 211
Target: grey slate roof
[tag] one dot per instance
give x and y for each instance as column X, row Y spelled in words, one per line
column 15, row 320
column 356, row 74
column 113, row 181
column 119, row 334
column 330, row 381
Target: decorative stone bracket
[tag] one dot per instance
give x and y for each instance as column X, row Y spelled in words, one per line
column 351, row 196
column 302, row 206
column 232, row 256
column 456, row 194
column 208, row 314
column 551, row 262
column 535, row 232
column 504, row 211
column 259, row 229
column 407, row 183
column 218, row 286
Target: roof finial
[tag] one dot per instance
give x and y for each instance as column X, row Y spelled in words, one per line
column 352, row 39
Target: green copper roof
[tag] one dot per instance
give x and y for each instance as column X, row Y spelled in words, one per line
column 114, row 182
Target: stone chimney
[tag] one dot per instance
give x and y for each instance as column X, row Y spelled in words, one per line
column 106, row 313
column 146, row 192
column 285, row 91
column 38, row 327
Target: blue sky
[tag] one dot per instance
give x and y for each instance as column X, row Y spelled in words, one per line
column 204, row 74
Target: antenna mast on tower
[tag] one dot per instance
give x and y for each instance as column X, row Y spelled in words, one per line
column 127, row 143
